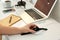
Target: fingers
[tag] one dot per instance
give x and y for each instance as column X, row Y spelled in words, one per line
column 29, row 28
column 32, row 31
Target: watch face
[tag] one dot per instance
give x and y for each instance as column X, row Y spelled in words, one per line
column 44, row 5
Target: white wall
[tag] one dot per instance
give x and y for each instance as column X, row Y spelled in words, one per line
column 56, row 11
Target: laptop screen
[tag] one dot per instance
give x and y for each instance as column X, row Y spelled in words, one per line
column 44, row 5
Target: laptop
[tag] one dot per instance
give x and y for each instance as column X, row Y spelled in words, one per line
column 41, row 10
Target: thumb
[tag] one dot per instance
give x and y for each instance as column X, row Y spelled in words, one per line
column 32, row 31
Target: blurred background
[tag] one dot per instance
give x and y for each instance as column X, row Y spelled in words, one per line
column 56, row 11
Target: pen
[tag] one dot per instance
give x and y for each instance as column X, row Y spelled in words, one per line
column 10, row 19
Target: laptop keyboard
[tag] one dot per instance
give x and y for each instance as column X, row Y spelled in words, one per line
column 33, row 14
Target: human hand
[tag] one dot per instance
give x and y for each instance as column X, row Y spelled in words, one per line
column 28, row 28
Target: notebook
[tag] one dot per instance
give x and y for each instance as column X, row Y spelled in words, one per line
column 10, row 20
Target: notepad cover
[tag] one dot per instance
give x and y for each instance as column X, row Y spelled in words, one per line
column 14, row 19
